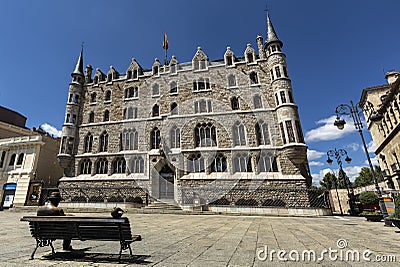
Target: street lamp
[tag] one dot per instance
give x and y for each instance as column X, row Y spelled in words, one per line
column 338, row 153
column 352, row 110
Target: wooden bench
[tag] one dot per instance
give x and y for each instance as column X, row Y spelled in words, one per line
column 46, row 229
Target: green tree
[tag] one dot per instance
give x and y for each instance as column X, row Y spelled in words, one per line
column 330, row 181
column 365, row 176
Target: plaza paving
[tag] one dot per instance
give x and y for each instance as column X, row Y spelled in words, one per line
column 212, row 240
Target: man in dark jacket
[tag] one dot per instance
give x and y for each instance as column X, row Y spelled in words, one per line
column 50, row 208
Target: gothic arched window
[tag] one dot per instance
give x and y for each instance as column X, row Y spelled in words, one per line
column 195, row 163
column 91, row 117
column 155, row 138
column 267, row 162
column 119, row 165
column 241, row 163
column 234, row 103
column 103, row 142
column 239, row 134
column 106, row 115
column 175, row 136
column 205, row 135
column 257, row 103
column 253, row 78
column 262, row 132
column 136, row 164
column 102, row 166
column 174, row 108
column 107, row 96
column 173, row 88
column 86, row 166
column 219, row 164
column 129, row 139
column 88, row 143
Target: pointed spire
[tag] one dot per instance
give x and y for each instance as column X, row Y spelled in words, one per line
column 79, row 65
column 271, row 34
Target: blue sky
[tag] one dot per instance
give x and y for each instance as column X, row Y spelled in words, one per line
column 334, row 50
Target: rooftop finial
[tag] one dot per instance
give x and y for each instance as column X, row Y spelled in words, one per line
column 271, row 34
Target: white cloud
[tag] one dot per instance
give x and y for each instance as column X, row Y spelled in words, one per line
column 317, row 177
column 314, row 154
column 315, row 163
column 374, row 161
column 327, row 131
column 51, row 129
column 353, row 146
column 371, row 147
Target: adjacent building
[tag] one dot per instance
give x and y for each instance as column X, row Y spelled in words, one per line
column 380, row 105
column 28, row 161
column 223, row 132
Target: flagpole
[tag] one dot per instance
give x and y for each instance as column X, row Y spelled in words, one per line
column 165, row 46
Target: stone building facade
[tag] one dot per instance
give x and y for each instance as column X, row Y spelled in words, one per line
column 381, row 109
column 207, row 131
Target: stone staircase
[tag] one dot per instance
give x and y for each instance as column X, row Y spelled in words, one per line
column 163, row 205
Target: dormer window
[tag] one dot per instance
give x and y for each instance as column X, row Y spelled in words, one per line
column 173, row 68
column 129, row 75
column 250, row 54
column 96, row 80
column 135, row 74
column 109, row 77
column 229, row 61
column 250, row 58
column 155, row 70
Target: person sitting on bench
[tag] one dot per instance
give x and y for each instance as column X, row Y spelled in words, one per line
column 50, row 208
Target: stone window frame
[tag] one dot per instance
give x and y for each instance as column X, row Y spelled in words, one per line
column 262, row 133
column 136, row 164
column 202, row 106
column 267, row 162
column 85, row 167
column 119, row 165
column 107, row 96
column 202, row 85
column 279, row 71
column 254, row 79
column 290, row 131
column 241, row 162
column 173, row 88
column 106, row 115
column 93, row 98
column 131, row 92
column 12, row 159
column 205, row 135
column 195, row 163
column 155, row 138
column 219, row 163
column 130, row 113
column 175, row 137
column 102, row 166
column 239, row 134
column 129, row 139
column 103, row 142
column 155, row 111
column 91, row 118
column 174, row 108
column 88, row 143
column 235, row 103
column 232, row 81
column 257, row 102
column 155, row 90
column 20, row 159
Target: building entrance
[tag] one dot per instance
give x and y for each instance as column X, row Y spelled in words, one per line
column 166, row 182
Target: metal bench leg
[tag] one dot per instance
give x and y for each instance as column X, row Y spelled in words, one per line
column 34, row 251
column 130, row 250
column 52, row 248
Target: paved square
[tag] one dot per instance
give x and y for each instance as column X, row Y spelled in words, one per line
column 214, row 240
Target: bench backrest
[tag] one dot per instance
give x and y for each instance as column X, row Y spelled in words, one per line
column 82, row 229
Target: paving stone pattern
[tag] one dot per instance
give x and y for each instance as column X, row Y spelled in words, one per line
column 206, row 240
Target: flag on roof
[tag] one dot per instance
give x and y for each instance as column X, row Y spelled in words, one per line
column 165, row 42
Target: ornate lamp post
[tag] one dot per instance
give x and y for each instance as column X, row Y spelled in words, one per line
column 338, row 153
column 352, row 110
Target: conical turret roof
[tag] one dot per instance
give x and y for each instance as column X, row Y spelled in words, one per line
column 271, row 34
column 79, row 65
